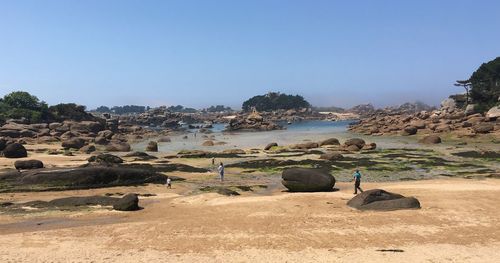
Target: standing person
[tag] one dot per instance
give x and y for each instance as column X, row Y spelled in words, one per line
column 213, row 161
column 169, row 183
column 357, row 181
column 221, row 172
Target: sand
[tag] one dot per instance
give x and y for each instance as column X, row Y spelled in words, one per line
column 458, row 222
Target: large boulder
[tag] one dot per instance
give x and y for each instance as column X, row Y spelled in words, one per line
column 10, row 133
column 378, row 199
column 105, row 159
column 307, row 180
column 208, row 143
column 409, row 130
column 79, row 178
column 118, row 147
column 129, row 202
column 270, row 145
column 331, row 156
column 73, row 143
column 15, row 150
column 88, row 149
column 448, row 104
column 483, row 128
column 493, row 113
column 431, row 139
column 331, row 141
column 306, row 145
column 86, row 126
column 355, row 141
column 28, row 164
column 164, row 139
column 152, row 146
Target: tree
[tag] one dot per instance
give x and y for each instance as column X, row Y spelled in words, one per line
column 466, row 85
column 485, row 85
column 275, row 101
column 22, row 105
column 23, row 100
column 70, row 111
column 103, row 109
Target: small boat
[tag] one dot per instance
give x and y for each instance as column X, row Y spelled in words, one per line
column 289, row 122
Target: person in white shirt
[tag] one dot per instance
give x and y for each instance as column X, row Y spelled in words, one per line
column 169, row 182
column 221, row 172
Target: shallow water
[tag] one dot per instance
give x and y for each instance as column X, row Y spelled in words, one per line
column 295, row 133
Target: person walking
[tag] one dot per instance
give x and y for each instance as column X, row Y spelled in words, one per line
column 169, row 183
column 221, row 172
column 357, row 181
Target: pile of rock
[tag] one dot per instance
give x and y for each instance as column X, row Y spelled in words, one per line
column 252, row 122
column 447, row 119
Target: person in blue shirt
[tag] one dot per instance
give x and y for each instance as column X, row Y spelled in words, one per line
column 357, row 181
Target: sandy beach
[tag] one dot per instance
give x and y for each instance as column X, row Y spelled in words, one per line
column 458, row 222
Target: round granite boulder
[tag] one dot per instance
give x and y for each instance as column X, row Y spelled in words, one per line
column 15, row 150
column 307, row 180
column 378, row 199
column 28, row 164
column 129, row 202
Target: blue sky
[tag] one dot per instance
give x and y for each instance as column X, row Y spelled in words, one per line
column 202, row 53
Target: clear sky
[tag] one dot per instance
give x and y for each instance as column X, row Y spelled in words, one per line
column 207, row 52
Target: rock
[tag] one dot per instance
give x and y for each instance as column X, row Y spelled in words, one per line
column 493, row 113
column 108, row 134
column 483, row 128
column 270, row 145
column 152, row 146
column 307, row 145
column 3, row 144
column 378, row 199
column 353, row 148
column 69, row 134
column 448, row 104
column 54, row 125
column 88, row 149
column 234, row 151
column 164, row 139
column 118, row 147
column 10, row 133
column 28, row 164
column 27, row 134
column 15, row 150
column 129, row 202
column 141, row 156
column 331, row 141
column 431, row 139
column 208, row 143
column 74, row 143
column 409, row 130
column 355, row 141
column 470, row 109
column 418, row 124
column 79, row 178
column 86, row 126
column 227, row 192
column 307, row 180
column 370, row 146
column 331, row 156
column 105, row 159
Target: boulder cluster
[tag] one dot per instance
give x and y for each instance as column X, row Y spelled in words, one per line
column 448, row 119
column 83, row 136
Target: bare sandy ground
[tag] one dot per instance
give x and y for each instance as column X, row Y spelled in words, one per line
column 458, row 222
